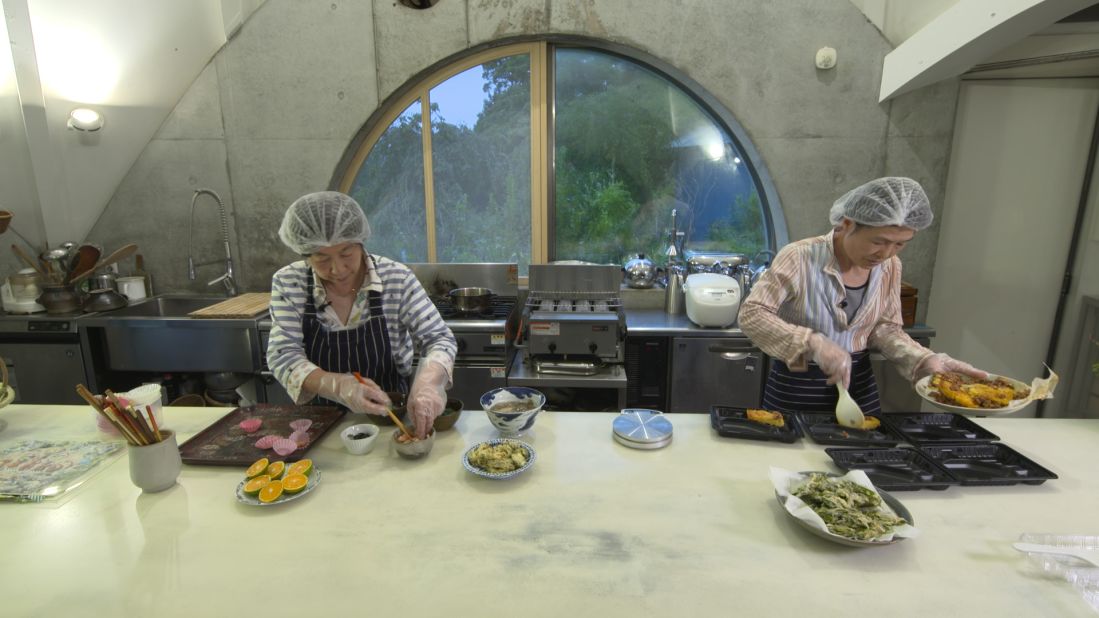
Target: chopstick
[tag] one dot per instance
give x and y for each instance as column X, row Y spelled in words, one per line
column 130, row 422
column 388, row 409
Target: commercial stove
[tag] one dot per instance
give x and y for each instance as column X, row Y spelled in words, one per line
column 485, row 339
column 574, row 330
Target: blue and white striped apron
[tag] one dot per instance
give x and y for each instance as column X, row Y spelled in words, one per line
column 807, row 391
column 365, row 349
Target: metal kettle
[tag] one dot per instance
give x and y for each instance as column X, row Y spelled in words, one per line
column 640, row 273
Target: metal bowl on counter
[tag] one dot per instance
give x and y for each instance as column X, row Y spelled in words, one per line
column 471, row 300
column 104, row 300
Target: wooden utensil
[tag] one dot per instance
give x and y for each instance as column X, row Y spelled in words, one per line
column 388, row 409
column 121, row 253
column 33, row 263
column 83, row 260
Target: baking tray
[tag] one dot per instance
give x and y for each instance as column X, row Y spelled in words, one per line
column 987, row 464
column 823, row 429
column 937, row 428
column 732, row 422
column 224, row 443
column 895, row 469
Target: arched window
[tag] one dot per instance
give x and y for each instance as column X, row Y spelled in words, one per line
column 555, row 150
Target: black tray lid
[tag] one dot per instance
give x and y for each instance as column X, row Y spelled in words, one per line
column 937, row 428
column 732, row 422
column 894, row 469
column 823, row 429
column 987, row 464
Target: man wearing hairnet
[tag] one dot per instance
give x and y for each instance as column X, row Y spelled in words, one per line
column 341, row 310
column 825, row 300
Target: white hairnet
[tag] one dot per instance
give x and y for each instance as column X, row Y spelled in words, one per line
column 893, row 200
column 323, row 219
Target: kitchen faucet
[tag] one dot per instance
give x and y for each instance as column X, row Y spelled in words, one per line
column 227, row 278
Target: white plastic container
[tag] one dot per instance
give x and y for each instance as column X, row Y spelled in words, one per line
column 147, row 395
column 712, row 299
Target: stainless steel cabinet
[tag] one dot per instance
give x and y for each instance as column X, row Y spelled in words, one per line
column 709, row 371
column 44, row 372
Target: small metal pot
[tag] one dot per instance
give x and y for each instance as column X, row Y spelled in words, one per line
column 640, row 273
column 471, row 300
column 104, row 300
column 60, row 299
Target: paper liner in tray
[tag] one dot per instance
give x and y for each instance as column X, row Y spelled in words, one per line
column 784, row 481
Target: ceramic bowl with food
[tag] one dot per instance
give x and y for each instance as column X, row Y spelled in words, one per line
column 412, row 448
column 449, row 416
column 512, row 409
column 359, row 439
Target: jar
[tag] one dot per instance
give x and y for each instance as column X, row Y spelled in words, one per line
column 25, row 285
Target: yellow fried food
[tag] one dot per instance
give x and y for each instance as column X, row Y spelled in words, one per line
column 766, row 417
column 968, row 392
column 870, row 423
column 498, row 458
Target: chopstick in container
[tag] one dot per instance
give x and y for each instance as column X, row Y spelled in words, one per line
column 388, row 409
column 108, row 412
column 152, row 421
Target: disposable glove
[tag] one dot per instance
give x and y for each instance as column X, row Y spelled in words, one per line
column 833, row 360
column 941, row 363
column 427, row 398
column 365, row 398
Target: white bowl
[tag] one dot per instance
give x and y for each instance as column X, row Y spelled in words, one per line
column 511, row 423
column 360, row 446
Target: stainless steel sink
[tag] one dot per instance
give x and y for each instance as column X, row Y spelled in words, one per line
column 166, row 306
column 158, row 335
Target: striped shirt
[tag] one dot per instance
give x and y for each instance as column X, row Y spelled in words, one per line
column 411, row 320
column 803, row 292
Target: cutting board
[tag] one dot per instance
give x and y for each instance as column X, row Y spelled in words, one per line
column 224, row 443
column 244, row 306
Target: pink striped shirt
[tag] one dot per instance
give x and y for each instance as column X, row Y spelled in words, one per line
column 801, row 293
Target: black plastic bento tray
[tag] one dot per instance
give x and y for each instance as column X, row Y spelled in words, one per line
column 732, row 422
column 894, row 469
column 937, row 428
column 987, row 464
column 823, row 429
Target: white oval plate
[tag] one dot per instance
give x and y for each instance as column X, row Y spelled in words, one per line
column 314, row 480
column 499, row 475
column 923, row 389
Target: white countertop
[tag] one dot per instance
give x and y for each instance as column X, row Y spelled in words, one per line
column 593, row 529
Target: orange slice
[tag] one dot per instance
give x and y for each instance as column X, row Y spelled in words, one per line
column 304, row 466
column 294, row 482
column 257, row 468
column 271, row 491
column 253, row 485
column 276, row 468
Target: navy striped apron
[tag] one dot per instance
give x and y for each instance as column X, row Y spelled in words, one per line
column 807, row 391
column 365, row 349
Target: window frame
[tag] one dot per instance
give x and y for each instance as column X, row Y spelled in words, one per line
column 542, row 117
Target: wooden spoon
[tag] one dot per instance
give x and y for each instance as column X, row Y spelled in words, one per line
column 33, row 263
column 83, row 261
column 121, row 253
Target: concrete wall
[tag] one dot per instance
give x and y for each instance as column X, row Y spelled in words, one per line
column 269, row 118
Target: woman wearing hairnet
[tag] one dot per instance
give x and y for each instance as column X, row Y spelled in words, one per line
column 342, row 310
column 825, row 300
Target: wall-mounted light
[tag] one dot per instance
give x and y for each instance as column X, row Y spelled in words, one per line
column 84, row 119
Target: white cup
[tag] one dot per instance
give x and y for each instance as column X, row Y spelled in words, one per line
column 155, row 467
column 132, row 288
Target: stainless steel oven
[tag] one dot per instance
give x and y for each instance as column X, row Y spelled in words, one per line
column 44, row 357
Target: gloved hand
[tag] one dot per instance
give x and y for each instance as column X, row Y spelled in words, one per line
column 834, row 361
column 366, row 398
column 941, row 363
column 427, row 397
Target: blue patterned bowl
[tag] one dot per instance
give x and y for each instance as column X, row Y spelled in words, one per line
column 499, row 475
column 497, row 401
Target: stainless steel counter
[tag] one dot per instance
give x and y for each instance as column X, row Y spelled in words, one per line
column 658, row 322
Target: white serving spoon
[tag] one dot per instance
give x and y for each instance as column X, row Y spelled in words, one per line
column 1087, row 555
column 848, row 412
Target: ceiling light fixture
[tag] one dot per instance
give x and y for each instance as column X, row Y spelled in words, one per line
column 84, row 119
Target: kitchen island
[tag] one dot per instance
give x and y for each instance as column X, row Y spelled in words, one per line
column 592, row 529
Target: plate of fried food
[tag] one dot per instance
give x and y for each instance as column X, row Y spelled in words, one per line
column 502, row 458
column 966, row 394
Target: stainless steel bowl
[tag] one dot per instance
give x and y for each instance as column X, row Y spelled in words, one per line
column 104, row 300
column 471, row 300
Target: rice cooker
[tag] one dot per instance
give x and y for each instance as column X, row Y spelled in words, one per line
column 712, row 299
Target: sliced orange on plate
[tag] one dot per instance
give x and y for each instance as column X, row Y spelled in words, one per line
column 294, row 482
column 271, row 492
column 304, row 466
column 257, row 468
column 254, row 485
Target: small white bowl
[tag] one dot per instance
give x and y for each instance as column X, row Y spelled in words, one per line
column 360, row 446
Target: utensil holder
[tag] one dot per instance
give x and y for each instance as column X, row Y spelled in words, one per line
column 155, row 467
